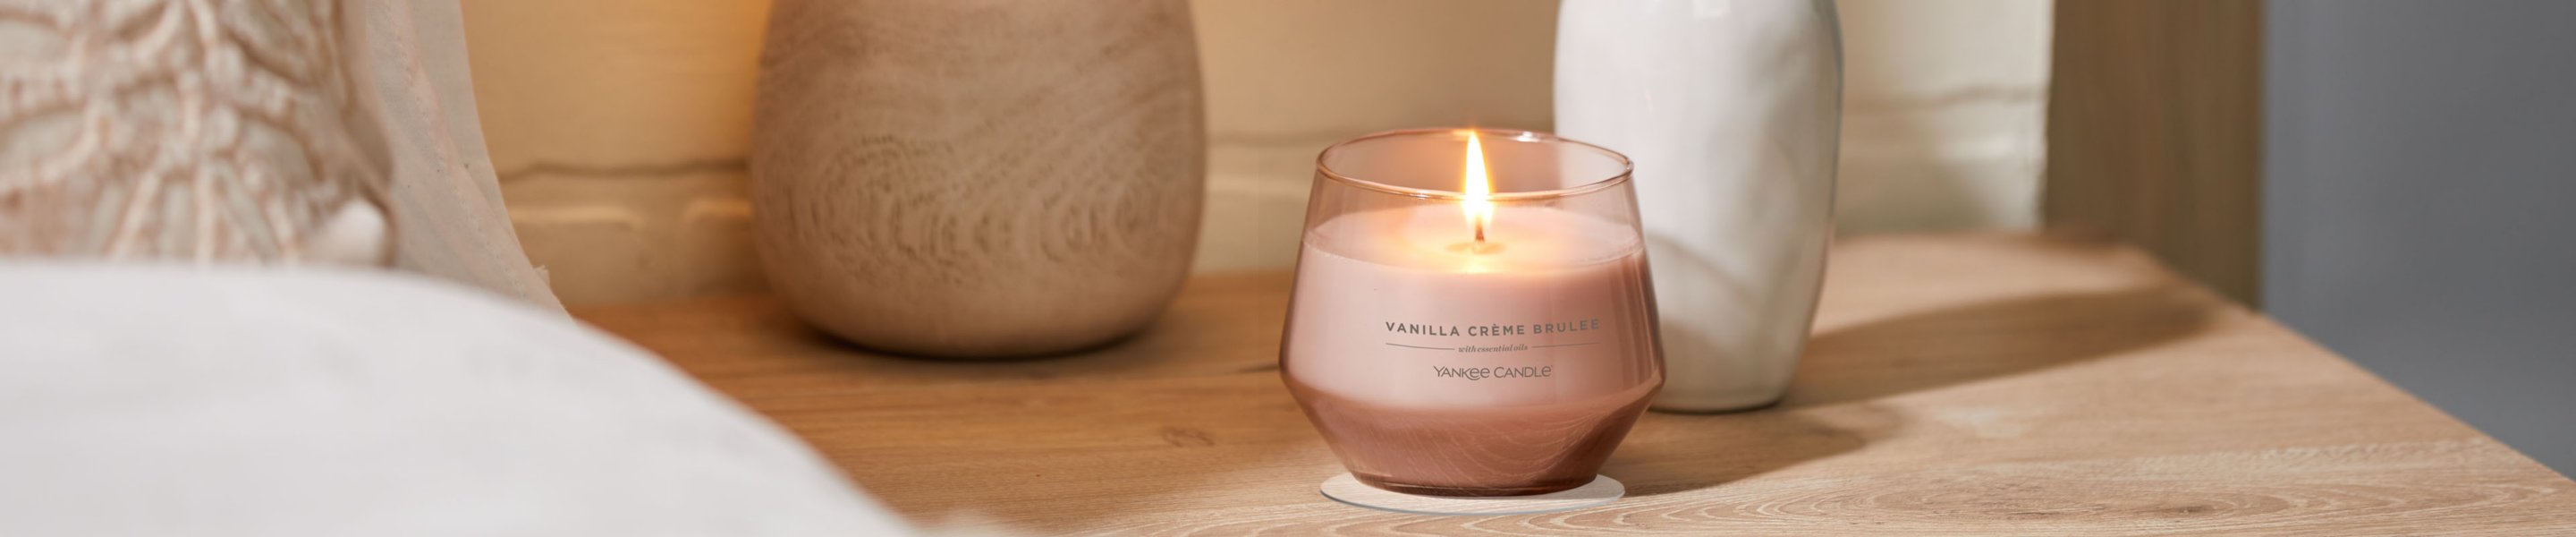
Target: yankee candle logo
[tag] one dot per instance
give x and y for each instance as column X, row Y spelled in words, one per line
column 1482, row 373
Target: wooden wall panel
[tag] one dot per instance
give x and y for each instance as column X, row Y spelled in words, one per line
column 2155, row 132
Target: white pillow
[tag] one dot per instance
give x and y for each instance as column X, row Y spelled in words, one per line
column 164, row 401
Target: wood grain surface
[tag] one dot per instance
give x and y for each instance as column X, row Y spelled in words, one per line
column 1957, row 385
column 978, row 178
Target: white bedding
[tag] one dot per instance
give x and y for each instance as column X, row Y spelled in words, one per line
column 166, row 401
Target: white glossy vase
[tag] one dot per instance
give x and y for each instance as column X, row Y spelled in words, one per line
column 1730, row 111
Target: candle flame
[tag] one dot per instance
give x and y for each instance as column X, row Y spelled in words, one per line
column 1479, row 206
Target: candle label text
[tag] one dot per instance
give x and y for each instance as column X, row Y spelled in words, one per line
column 1493, row 330
column 1488, row 330
column 1482, row 373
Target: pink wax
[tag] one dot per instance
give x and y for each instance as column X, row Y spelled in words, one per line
column 1437, row 366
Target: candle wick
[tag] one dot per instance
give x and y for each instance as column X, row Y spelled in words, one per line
column 1476, row 247
column 1480, row 230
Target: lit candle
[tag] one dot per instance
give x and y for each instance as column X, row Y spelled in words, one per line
column 1505, row 354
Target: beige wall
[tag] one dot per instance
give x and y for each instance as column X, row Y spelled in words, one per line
column 1944, row 109
column 618, row 130
column 1285, row 79
column 618, row 126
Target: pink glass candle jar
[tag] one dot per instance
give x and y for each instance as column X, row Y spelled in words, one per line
column 1472, row 314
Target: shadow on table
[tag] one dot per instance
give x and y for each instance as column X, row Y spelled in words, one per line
column 1683, row 452
column 1965, row 344
column 1833, row 407
column 1221, row 325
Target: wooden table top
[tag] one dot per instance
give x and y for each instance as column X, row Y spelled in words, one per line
column 1957, row 384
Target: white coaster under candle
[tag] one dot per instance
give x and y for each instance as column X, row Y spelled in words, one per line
column 1346, row 489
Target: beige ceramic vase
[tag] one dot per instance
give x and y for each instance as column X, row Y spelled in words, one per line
column 978, row 178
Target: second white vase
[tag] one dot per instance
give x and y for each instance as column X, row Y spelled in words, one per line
column 1730, row 110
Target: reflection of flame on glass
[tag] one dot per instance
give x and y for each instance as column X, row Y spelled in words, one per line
column 1479, row 206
